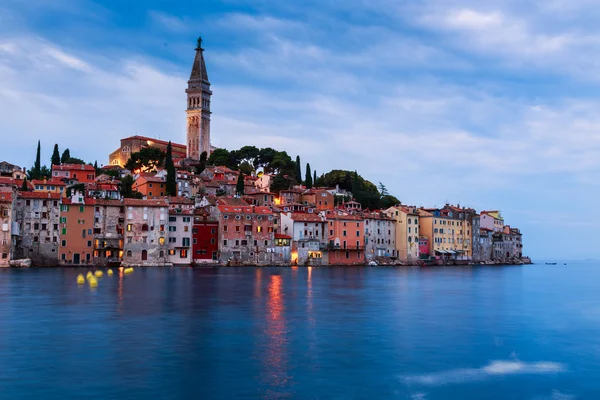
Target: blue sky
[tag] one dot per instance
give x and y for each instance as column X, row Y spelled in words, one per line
column 491, row 104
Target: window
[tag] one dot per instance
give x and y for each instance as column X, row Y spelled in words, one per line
column 244, row 242
column 172, row 229
column 172, row 240
column 185, row 242
column 186, row 219
column 172, row 219
column 81, row 208
column 331, row 232
column 129, row 239
column 63, row 243
column 183, row 253
column 212, row 231
column 237, row 228
column 212, row 241
column 129, row 227
column 224, row 242
column 161, row 241
column 344, row 232
column 224, row 228
column 357, row 233
column 259, row 229
column 128, row 253
column 186, row 228
column 64, row 231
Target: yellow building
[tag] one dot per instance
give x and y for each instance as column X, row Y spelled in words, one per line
column 406, row 219
column 448, row 231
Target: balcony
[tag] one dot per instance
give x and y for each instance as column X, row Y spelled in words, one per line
column 333, row 247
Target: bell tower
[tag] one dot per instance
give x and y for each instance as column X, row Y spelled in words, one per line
column 198, row 107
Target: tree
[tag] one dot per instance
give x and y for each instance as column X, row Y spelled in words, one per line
column 45, row 173
column 315, row 178
column 219, row 157
column 383, row 190
column 279, row 183
column 308, row 175
column 249, row 154
column 73, row 160
column 220, row 192
column 298, row 172
column 239, row 186
column 388, row 201
column 55, row 160
column 24, row 186
column 36, row 171
column 202, row 164
column 146, row 160
column 126, row 188
column 246, row 168
column 171, row 173
column 96, row 166
column 65, row 156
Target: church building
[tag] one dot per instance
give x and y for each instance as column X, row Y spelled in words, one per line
column 198, row 121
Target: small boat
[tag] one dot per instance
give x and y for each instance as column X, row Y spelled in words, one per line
column 550, row 263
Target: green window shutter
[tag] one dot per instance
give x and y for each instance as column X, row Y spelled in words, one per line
column 64, row 231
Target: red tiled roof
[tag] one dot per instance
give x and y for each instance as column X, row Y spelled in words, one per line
column 6, row 197
column 71, row 167
column 145, row 203
column 350, row 217
column 88, row 202
column 232, row 201
column 151, row 178
column 305, row 217
column 106, row 202
column 282, row 236
column 54, row 182
column 39, row 195
column 245, row 209
column 180, row 200
column 155, row 141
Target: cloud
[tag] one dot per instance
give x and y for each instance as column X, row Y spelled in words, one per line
column 492, row 370
column 168, row 22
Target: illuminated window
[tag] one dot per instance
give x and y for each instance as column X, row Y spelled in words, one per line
column 161, row 240
column 129, row 227
column 259, row 229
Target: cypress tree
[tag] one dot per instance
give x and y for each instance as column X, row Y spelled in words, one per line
column 309, row 181
column 96, row 166
column 315, row 178
column 171, row 173
column 65, row 156
column 24, row 187
column 37, row 167
column 55, row 160
column 239, row 186
column 298, row 172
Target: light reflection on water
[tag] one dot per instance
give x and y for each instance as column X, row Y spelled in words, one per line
column 348, row 333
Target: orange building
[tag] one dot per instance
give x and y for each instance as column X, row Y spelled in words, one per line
column 321, row 199
column 49, row 186
column 76, row 232
column 150, row 185
column 74, row 172
column 346, row 241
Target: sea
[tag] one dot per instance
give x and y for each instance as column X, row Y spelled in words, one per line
column 514, row 332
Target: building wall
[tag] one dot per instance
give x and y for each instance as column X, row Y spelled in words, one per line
column 475, row 232
column 136, row 143
column 407, row 233
column 380, row 238
column 346, row 242
column 109, row 225
column 246, row 236
column 205, row 241
column 309, row 237
column 76, row 242
column 38, row 219
column 146, row 233
column 180, row 238
column 7, row 208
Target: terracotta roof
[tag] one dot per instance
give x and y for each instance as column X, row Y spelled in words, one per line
column 180, row 200
column 348, row 217
column 145, row 203
column 87, row 202
column 232, row 201
column 39, row 195
column 282, row 236
column 106, row 202
column 155, row 141
column 245, row 209
column 54, row 182
column 151, row 178
column 306, row 217
column 6, row 197
column 71, row 167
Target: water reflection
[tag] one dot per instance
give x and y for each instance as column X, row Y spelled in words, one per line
column 275, row 359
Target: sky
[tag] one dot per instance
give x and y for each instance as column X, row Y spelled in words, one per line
column 491, row 105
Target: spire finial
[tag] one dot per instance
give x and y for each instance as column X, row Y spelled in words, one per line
column 199, row 43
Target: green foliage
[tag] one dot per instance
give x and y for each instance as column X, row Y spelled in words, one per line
column 24, row 186
column 220, row 192
column 248, row 154
column 298, row 172
column 55, row 160
column 309, row 178
column 96, row 167
column 202, row 164
column 315, row 178
column 239, row 186
column 111, row 172
column 45, row 173
column 364, row 192
column 147, row 159
column 383, row 190
column 219, row 157
column 279, row 182
column 388, row 201
column 246, row 168
column 79, row 187
column 126, row 188
column 35, row 172
column 65, row 156
column 73, row 160
column 171, row 182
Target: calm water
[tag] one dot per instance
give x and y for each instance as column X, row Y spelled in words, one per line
column 333, row 333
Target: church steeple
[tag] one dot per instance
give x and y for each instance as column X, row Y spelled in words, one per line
column 198, row 107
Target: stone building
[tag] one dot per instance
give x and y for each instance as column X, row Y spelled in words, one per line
column 11, row 170
column 38, row 215
column 146, row 232
column 76, row 245
column 134, row 144
column 181, row 214
column 309, row 237
column 246, row 234
column 475, row 233
column 486, row 246
column 8, row 228
column 283, row 250
column 380, row 236
column 198, row 108
column 109, row 225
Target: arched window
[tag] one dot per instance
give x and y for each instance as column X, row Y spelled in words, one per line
column 161, row 253
column 144, row 255
column 125, row 149
column 128, row 253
